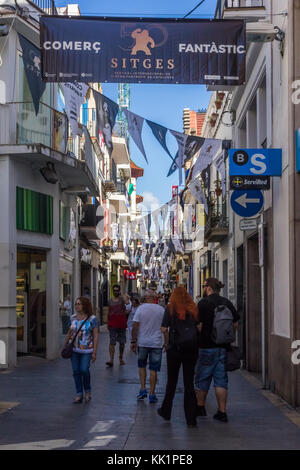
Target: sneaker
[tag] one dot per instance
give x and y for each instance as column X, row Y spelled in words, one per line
column 220, row 416
column 160, row 413
column 142, row 395
column 201, row 411
column 153, row 399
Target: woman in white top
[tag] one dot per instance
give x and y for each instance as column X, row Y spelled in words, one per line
column 135, row 304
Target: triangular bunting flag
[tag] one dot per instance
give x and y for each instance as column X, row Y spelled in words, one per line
column 159, row 133
column 106, row 113
column 221, row 168
column 197, row 192
column 74, row 94
column 192, row 146
column 32, row 66
column 209, row 149
column 135, row 126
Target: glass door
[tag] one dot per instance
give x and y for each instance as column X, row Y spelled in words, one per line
column 22, row 302
column 31, row 302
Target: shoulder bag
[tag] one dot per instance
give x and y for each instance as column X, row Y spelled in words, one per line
column 67, row 350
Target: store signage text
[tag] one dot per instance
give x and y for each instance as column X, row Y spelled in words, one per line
column 255, row 162
column 143, row 51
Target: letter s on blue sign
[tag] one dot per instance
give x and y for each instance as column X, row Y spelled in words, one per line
column 256, row 161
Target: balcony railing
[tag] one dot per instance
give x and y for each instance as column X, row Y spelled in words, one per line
column 48, row 6
column 217, row 222
column 121, row 187
column 21, row 126
column 228, row 4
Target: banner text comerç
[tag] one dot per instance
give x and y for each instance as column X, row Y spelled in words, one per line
column 93, row 49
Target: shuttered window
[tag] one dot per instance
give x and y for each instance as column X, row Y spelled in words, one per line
column 34, row 211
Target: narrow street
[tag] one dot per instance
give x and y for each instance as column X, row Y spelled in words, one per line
column 36, row 412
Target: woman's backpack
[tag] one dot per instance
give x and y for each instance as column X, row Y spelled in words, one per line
column 184, row 334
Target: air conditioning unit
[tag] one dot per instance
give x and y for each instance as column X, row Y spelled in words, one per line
column 260, row 32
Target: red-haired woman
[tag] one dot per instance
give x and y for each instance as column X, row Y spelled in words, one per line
column 180, row 331
column 85, row 346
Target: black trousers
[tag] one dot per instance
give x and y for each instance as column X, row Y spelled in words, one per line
column 174, row 362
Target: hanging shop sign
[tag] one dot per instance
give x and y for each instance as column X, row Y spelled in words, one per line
column 129, row 50
column 250, row 182
column 129, row 275
column 255, row 162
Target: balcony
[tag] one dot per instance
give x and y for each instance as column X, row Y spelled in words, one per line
column 89, row 225
column 48, row 6
column 42, row 138
column 217, row 222
column 110, row 184
column 121, row 187
column 249, row 10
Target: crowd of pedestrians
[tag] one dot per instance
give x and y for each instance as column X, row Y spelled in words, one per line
column 197, row 337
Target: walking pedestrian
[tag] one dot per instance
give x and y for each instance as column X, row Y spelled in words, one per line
column 179, row 327
column 118, row 309
column 135, row 304
column 85, row 325
column 212, row 356
column 147, row 340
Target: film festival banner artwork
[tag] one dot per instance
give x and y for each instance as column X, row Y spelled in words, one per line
column 129, row 50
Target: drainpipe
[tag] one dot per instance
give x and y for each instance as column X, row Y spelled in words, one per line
column 261, row 239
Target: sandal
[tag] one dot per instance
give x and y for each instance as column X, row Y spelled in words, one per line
column 109, row 364
column 88, row 397
column 77, row 400
column 122, row 363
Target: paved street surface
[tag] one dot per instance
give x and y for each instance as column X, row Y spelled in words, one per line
column 36, row 412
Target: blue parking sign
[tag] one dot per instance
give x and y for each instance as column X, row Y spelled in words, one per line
column 255, row 162
column 247, row 203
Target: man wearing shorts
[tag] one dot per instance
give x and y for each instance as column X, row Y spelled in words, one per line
column 119, row 308
column 212, row 356
column 147, row 341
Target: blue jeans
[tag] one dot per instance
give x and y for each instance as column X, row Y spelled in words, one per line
column 154, row 354
column 81, row 372
column 211, row 365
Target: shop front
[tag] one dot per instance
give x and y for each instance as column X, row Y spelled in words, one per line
column 31, row 301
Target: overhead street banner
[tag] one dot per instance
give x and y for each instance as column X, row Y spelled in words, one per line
column 93, row 49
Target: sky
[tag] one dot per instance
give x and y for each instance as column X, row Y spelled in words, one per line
column 162, row 104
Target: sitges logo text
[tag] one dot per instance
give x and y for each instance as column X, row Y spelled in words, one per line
column 73, row 46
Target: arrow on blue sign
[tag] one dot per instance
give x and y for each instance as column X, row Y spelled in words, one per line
column 247, row 203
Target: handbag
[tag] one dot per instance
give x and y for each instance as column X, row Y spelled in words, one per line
column 233, row 359
column 67, row 350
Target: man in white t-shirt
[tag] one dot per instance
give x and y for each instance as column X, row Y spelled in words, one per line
column 147, row 340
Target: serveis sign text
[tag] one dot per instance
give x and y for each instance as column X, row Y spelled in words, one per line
column 255, row 162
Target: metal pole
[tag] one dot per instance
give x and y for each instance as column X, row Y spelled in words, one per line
column 263, row 320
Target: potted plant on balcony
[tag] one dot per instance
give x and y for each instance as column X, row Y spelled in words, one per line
column 213, row 119
column 218, row 103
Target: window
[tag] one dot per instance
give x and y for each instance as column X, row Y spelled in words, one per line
column 34, row 211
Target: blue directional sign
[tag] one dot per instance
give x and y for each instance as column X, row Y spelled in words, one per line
column 247, row 203
column 255, row 162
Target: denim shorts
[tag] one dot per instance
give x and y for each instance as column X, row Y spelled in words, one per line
column 211, row 365
column 155, row 355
